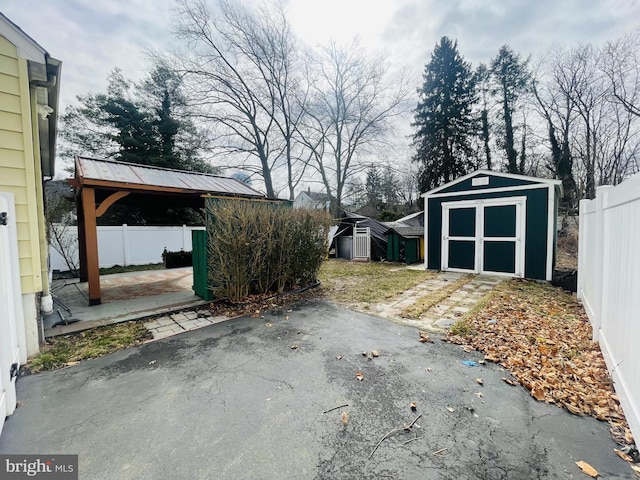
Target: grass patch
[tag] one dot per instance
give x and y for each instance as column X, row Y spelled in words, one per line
column 423, row 304
column 352, row 283
column 462, row 327
column 96, row 342
column 131, row 268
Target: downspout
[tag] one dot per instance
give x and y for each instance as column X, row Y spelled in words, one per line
column 46, row 300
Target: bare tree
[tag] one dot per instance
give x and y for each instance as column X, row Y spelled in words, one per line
column 553, row 88
column 240, row 68
column 576, row 93
column 350, row 113
column 621, row 64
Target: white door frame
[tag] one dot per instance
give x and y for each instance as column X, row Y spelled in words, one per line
column 12, row 332
column 479, row 239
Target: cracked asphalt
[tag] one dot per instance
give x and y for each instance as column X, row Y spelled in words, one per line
column 234, row 401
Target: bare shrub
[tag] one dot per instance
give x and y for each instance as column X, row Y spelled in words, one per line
column 260, row 247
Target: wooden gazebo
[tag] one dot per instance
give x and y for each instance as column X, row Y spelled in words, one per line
column 101, row 183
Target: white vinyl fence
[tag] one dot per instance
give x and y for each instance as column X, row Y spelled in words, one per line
column 122, row 245
column 609, row 285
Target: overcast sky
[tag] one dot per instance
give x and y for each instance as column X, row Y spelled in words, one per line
column 91, row 37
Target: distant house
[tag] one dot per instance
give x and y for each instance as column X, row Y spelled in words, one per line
column 29, row 88
column 312, row 200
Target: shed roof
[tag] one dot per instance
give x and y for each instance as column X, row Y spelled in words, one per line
column 408, row 232
column 518, row 181
column 109, row 173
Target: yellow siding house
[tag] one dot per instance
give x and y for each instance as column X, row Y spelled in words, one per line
column 29, row 87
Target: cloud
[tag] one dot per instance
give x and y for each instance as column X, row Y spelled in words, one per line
column 482, row 26
column 92, row 37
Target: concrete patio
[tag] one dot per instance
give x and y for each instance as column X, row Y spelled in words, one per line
column 125, row 296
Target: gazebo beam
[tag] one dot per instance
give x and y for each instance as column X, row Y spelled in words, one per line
column 110, row 200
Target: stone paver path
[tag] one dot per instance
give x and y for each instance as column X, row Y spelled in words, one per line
column 436, row 319
column 446, row 312
column 171, row 324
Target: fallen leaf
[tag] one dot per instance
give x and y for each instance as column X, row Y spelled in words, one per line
column 375, row 353
column 636, row 470
column 359, row 375
column 71, row 364
column 509, row 381
column 287, row 317
column 413, row 406
column 538, row 393
column 268, row 325
column 623, row 455
column 451, row 409
column 479, row 381
column 289, row 311
column 294, row 347
column 587, row 469
column 424, row 337
column 345, row 418
column 468, row 348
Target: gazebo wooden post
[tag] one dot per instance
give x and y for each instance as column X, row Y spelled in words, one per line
column 82, row 251
column 91, row 237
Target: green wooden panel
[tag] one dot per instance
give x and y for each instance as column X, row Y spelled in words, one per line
column 499, row 257
column 434, row 234
column 411, row 250
column 393, row 247
column 500, row 221
column 462, row 222
column 199, row 255
column 535, row 260
column 462, row 254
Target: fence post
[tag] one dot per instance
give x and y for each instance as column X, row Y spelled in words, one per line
column 125, row 244
column 185, row 232
column 599, row 260
column 582, row 247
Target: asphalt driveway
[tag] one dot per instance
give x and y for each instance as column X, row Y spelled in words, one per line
column 235, row 401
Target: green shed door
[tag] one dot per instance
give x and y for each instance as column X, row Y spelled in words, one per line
column 484, row 236
column 499, row 238
column 459, row 245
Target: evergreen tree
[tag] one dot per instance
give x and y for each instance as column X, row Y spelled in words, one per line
column 145, row 123
column 444, row 120
column 482, row 78
column 512, row 77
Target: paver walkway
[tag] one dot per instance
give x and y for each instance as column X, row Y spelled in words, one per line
column 436, row 319
column 181, row 322
column 445, row 313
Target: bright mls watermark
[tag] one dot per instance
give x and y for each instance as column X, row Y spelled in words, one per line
column 51, row 467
